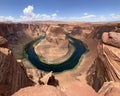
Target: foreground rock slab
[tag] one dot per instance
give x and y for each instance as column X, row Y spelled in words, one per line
column 37, row 90
column 75, row 89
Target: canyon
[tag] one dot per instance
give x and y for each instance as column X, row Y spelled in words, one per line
column 96, row 74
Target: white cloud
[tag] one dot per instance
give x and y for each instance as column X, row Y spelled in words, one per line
column 28, row 11
column 54, row 15
column 29, row 15
column 8, row 18
column 88, row 16
column 115, row 16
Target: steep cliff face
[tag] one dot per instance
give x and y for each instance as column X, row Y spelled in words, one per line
column 15, row 32
column 99, row 29
column 12, row 73
column 106, row 66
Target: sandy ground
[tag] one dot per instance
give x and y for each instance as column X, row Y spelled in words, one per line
column 79, row 73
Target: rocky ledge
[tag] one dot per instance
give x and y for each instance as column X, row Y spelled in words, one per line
column 80, row 89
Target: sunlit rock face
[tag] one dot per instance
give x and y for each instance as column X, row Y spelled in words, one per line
column 77, row 88
column 37, row 90
column 107, row 64
column 80, row 89
column 55, row 45
column 110, row 89
column 111, row 38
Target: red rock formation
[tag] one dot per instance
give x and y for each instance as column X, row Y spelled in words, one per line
column 76, row 89
column 106, row 66
column 3, row 42
column 111, row 38
column 13, row 32
column 110, row 89
column 99, row 29
column 12, row 73
column 80, row 89
column 55, row 44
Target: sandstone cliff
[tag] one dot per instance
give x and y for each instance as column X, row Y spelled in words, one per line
column 15, row 32
column 110, row 89
column 12, row 73
column 107, row 65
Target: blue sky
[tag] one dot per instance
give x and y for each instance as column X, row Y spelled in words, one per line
column 60, row 10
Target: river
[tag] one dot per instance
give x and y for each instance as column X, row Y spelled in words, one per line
column 80, row 49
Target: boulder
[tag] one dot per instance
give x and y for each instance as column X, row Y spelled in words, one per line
column 111, row 38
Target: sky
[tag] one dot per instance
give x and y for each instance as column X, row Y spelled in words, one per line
column 60, row 10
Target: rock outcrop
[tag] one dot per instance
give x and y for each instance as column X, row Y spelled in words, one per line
column 12, row 73
column 106, row 66
column 110, row 89
column 3, row 42
column 99, row 29
column 76, row 89
column 111, row 38
column 55, row 44
column 13, row 32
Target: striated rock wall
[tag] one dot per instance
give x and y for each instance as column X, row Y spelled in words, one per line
column 99, row 29
column 107, row 65
column 55, row 44
column 12, row 73
column 110, row 89
column 15, row 32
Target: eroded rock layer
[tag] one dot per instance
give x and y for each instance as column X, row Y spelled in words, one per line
column 106, row 66
column 111, row 38
column 110, row 89
column 54, row 46
column 12, row 73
